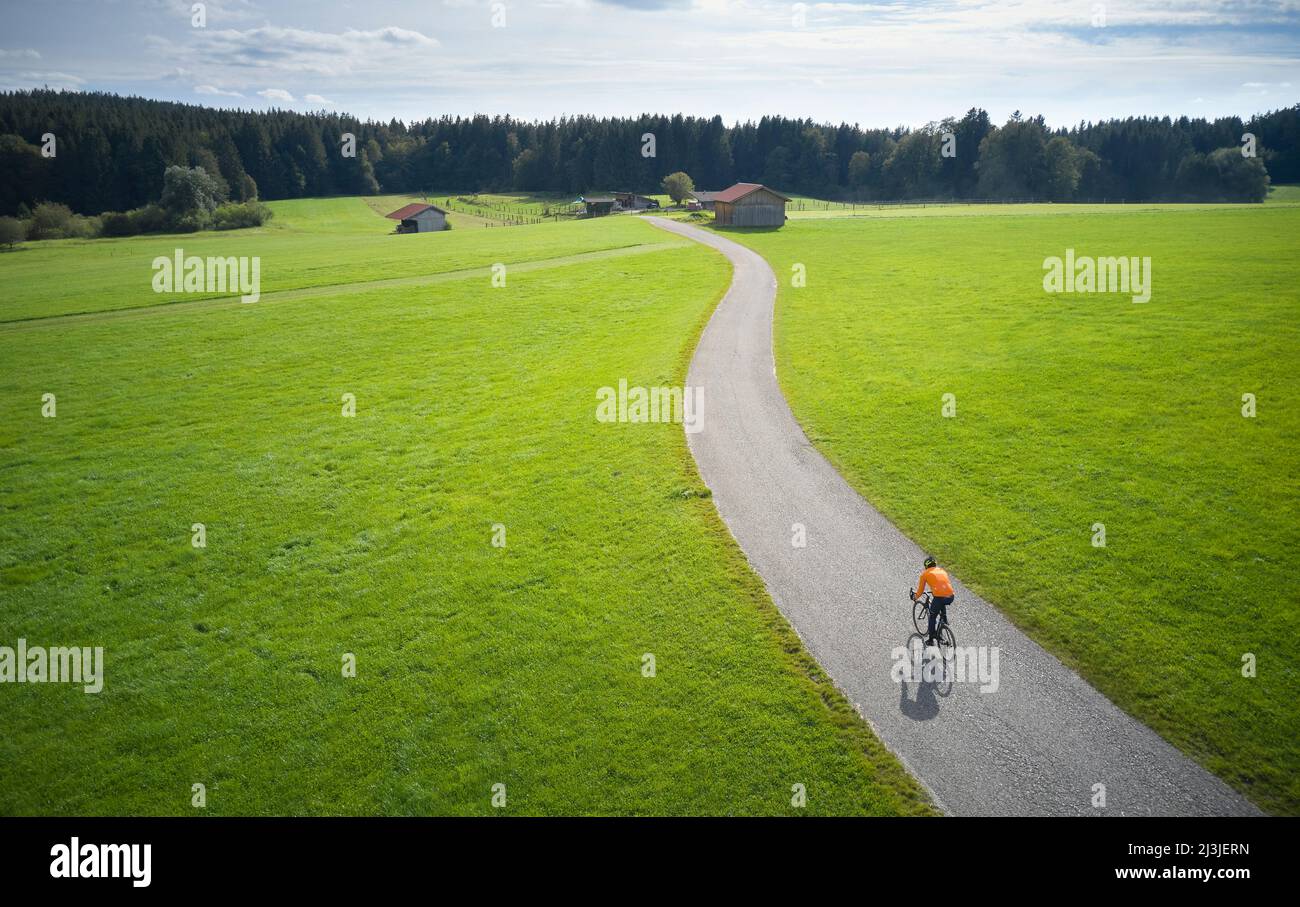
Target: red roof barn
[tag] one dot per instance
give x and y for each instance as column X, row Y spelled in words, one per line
column 419, row 218
column 749, row 205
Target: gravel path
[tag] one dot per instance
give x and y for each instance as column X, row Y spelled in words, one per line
column 1035, row 745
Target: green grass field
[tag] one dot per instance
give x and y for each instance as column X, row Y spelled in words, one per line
column 1283, row 195
column 1076, row 410
column 309, row 243
column 372, row 535
column 475, row 209
column 1280, row 199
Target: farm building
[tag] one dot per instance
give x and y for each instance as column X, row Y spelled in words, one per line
column 630, row 201
column 418, row 218
column 599, row 205
column 704, row 198
column 749, row 205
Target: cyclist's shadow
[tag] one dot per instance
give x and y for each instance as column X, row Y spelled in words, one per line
column 923, row 703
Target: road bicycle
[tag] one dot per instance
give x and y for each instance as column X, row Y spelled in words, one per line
column 921, row 620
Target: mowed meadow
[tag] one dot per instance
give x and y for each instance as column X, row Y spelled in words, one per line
column 309, row 244
column 372, row 536
column 1073, row 411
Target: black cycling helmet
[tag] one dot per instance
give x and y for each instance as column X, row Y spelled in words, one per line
column 930, row 561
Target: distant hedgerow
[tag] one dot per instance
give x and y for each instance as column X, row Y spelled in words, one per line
column 235, row 215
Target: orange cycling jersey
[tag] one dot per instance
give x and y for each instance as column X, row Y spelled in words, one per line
column 937, row 578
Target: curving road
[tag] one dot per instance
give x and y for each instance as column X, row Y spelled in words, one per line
column 1037, row 744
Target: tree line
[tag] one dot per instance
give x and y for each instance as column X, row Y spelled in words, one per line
column 99, row 152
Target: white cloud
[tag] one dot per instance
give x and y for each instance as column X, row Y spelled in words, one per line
column 216, row 11
column 214, row 90
column 25, row 54
column 876, row 62
column 59, row 81
column 648, row 4
column 271, row 48
column 59, row 78
column 1039, row 14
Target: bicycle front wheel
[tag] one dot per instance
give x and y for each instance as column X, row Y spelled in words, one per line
column 921, row 617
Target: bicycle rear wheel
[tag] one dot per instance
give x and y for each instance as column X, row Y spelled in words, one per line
column 947, row 642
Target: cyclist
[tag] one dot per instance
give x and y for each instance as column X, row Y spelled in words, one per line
column 936, row 578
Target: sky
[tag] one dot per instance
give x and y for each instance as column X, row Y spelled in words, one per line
column 876, row 63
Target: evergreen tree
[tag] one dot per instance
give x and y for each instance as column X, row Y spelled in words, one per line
column 113, row 151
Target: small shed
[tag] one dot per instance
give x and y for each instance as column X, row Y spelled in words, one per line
column 749, row 205
column 630, row 201
column 599, row 205
column 419, row 218
column 704, row 198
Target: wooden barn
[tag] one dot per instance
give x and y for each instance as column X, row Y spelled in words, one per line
column 630, row 201
column 598, row 205
column 749, row 205
column 704, row 198
column 418, row 218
